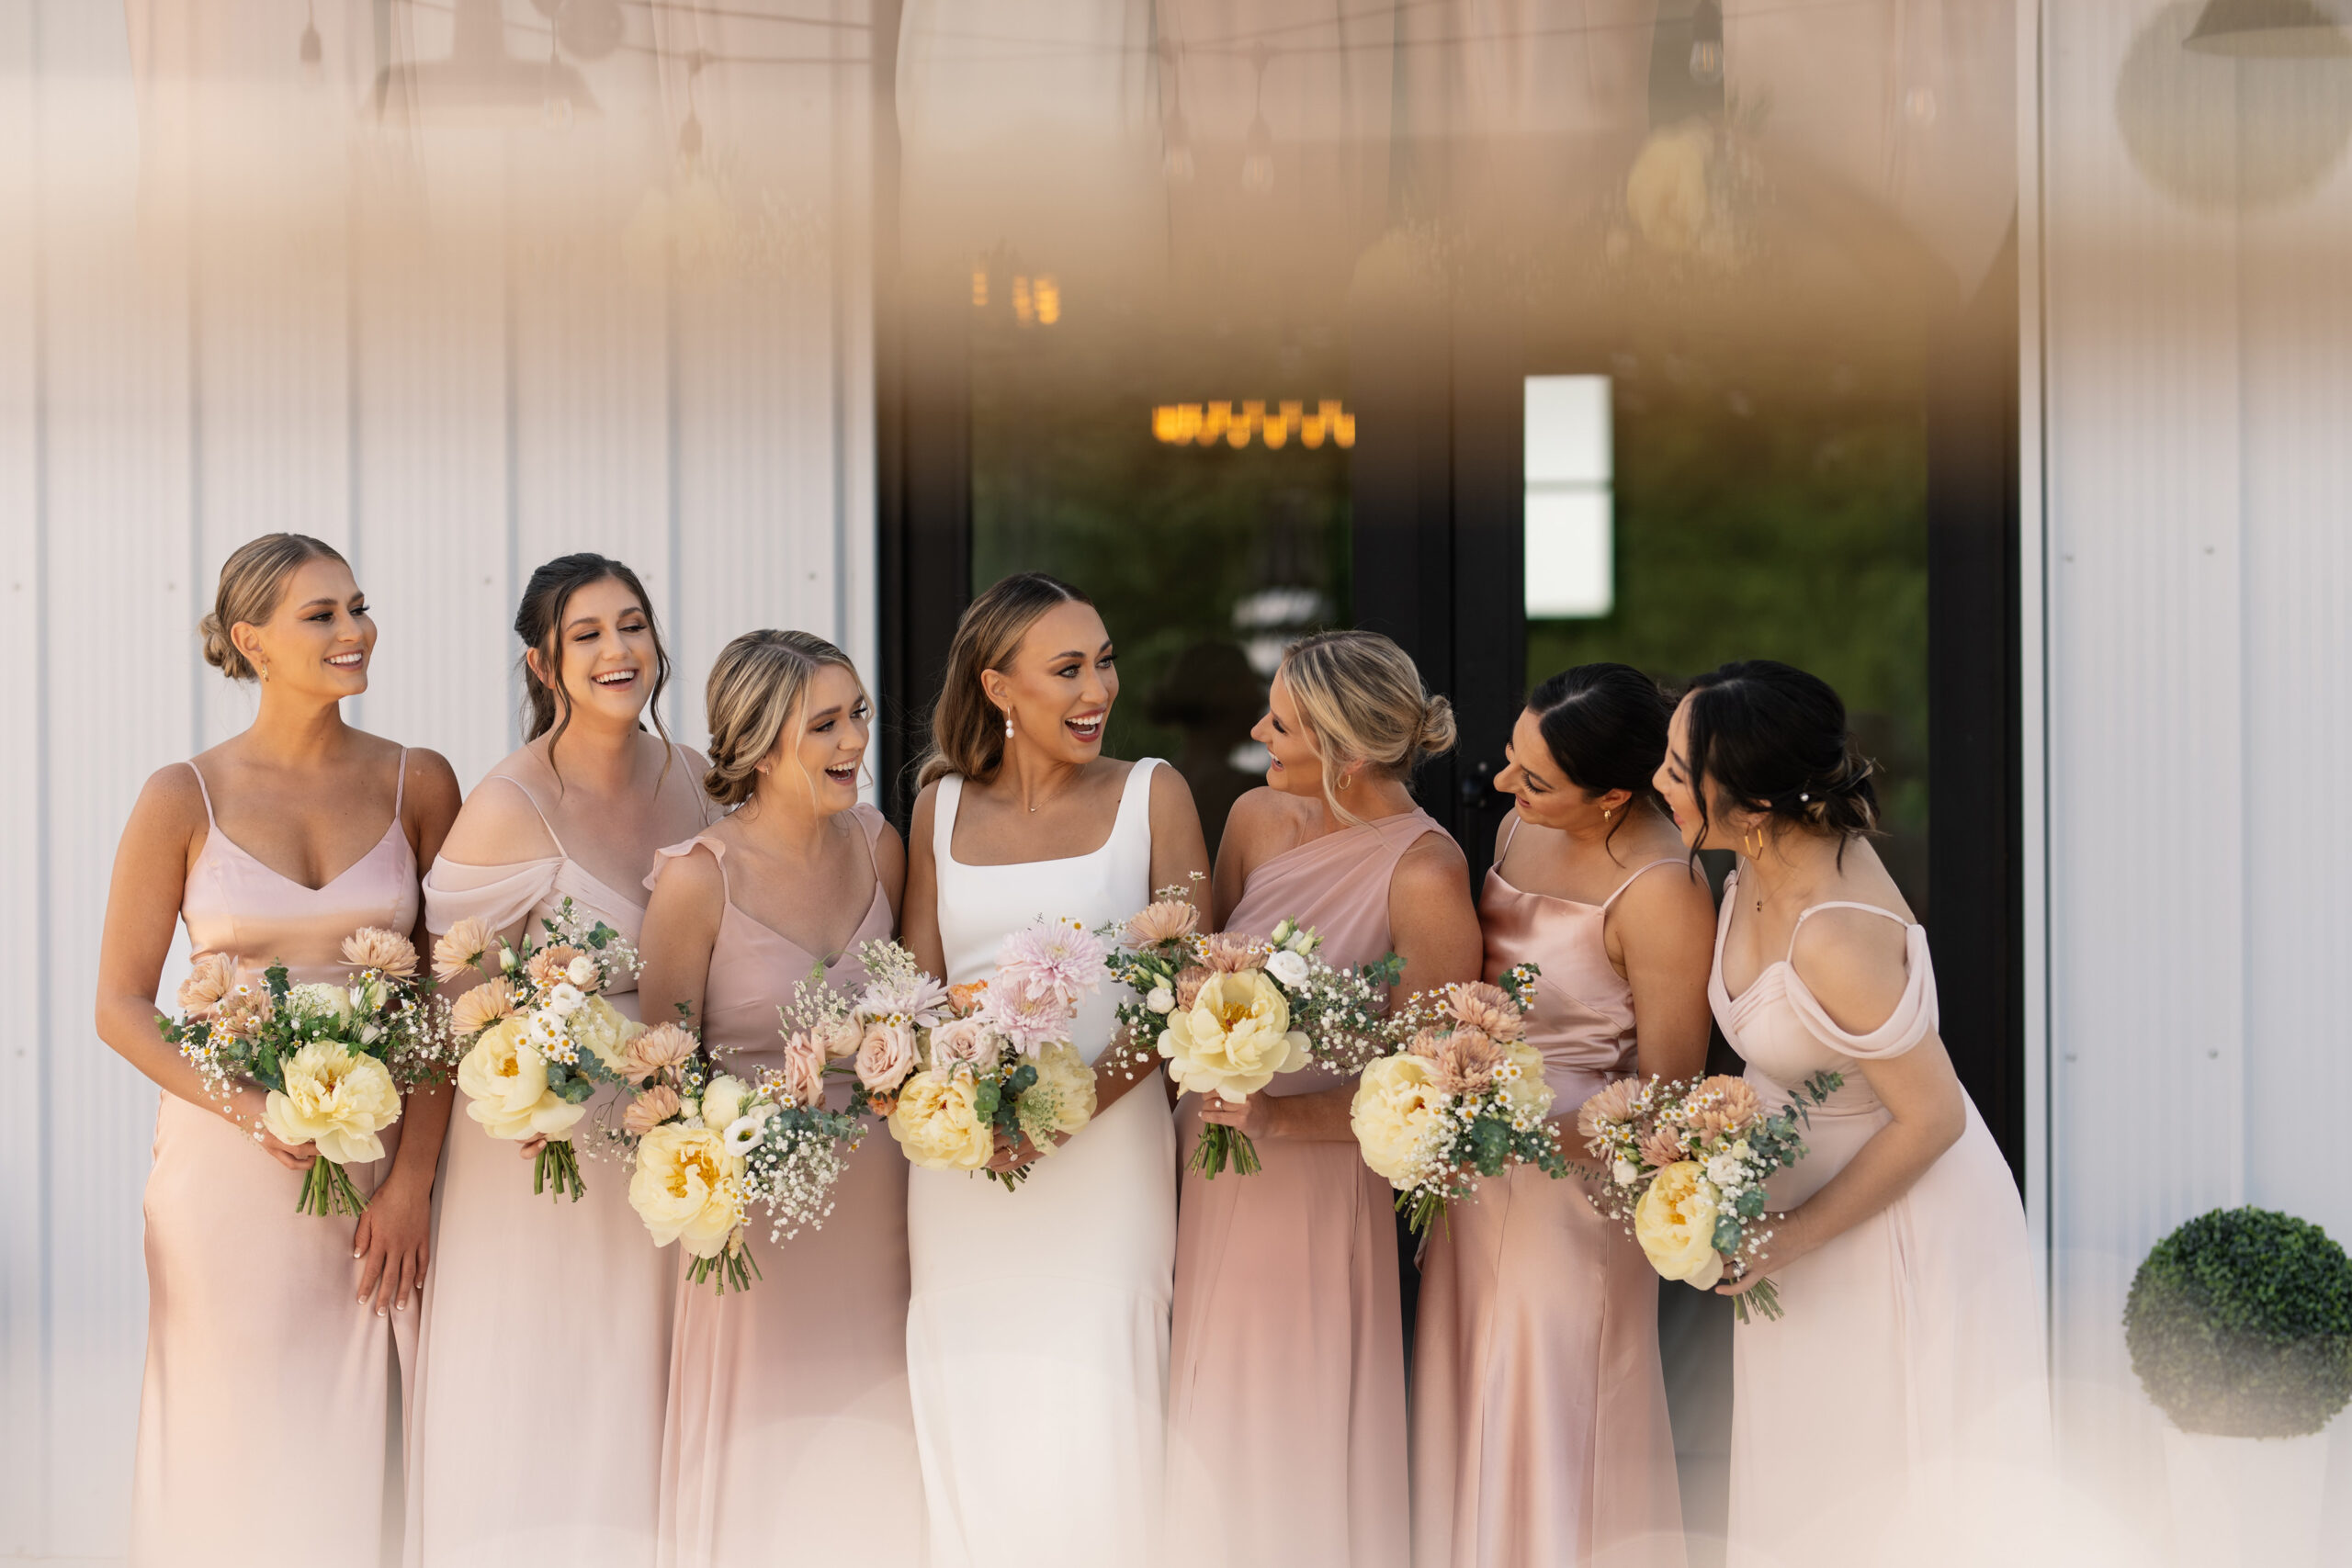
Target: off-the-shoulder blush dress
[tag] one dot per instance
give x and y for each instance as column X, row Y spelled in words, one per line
column 262, row 1362
column 1907, row 1373
column 1540, row 1430
column 1286, row 1435
column 544, row 1362
column 789, row 1434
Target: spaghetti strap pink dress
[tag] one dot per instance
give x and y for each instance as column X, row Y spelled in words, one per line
column 790, row 1435
column 1539, row 1431
column 262, row 1363
column 543, row 1364
column 1906, row 1381
column 1286, row 1435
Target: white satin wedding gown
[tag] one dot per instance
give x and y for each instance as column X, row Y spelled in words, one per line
column 1038, row 1334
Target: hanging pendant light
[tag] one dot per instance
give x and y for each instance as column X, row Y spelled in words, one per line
column 1707, row 43
column 2270, row 29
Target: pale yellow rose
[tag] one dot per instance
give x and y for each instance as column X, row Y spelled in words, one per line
column 1531, row 1092
column 335, row 1099
column 505, row 1085
column 722, row 1101
column 687, row 1187
column 1394, row 1100
column 1666, row 191
column 1675, row 1223
column 598, row 1025
column 936, row 1125
column 1234, row 1038
column 1063, row 1073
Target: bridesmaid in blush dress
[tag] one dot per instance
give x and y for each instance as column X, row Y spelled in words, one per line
column 1905, row 1385
column 543, row 1364
column 1037, row 1323
column 1539, row 1431
column 788, row 1434
column 272, row 1334
column 1286, row 1405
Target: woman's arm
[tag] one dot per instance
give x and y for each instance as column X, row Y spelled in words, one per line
column 681, row 928
column 394, row 1237
column 1856, row 972
column 918, row 912
column 142, row 905
column 1664, row 926
column 1179, row 858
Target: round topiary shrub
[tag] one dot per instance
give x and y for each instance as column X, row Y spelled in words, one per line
column 2240, row 1326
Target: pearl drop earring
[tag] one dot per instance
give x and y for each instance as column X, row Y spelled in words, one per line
column 1008, row 723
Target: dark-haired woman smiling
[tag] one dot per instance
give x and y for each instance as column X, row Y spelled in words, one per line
column 1539, row 1427
column 1867, row 1423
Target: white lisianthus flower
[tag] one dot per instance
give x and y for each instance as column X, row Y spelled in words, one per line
column 1726, row 1170
column 580, row 972
column 743, row 1134
column 1162, row 1001
column 1626, row 1172
column 1301, row 941
column 1741, row 1152
column 509, row 960
column 564, row 998
column 1283, row 932
column 1288, row 967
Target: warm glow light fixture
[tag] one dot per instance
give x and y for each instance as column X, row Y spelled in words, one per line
column 1036, row 301
column 1205, row 424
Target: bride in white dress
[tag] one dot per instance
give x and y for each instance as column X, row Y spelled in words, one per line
column 1037, row 1333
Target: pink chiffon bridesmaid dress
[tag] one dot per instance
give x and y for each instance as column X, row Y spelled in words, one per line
column 1286, row 1435
column 542, row 1368
column 1539, row 1431
column 1904, row 1386
column 262, row 1364
column 790, row 1436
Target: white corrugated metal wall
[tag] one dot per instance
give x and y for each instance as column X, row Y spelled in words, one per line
column 2196, row 215
column 445, row 349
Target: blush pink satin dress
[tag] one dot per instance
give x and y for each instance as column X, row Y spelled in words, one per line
column 790, row 1435
column 543, row 1366
column 1540, row 1430
column 262, row 1363
column 1904, row 1386
column 1286, row 1435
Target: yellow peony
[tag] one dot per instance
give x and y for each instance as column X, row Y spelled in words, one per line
column 1675, row 1223
column 1064, row 1074
column 336, row 1099
column 505, row 1085
column 1234, row 1038
column 1394, row 1100
column 722, row 1101
column 1531, row 1091
column 936, row 1125
column 687, row 1187
column 595, row 1025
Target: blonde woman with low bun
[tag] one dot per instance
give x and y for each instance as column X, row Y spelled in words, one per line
column 788, row 1419
column 1287, row 1417
column 1037, row 1330
column 272, row 1336
column 544, row 1362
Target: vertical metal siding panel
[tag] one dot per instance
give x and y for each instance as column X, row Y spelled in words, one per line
column 431, row 381
column 24, row 1473
column 118, row 690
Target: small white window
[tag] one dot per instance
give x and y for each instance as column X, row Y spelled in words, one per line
column 1570, row 515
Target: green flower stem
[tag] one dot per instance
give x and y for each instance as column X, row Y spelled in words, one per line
column 1767, row 1299
column 327, row 1189
column 1221, row 1146
column 733, row 1269
column 558, row 1163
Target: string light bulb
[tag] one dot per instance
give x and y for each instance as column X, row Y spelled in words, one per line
column 1707, row 43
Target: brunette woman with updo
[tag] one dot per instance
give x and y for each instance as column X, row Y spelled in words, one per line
column 544, row 1373
column 1907, row 1370
column 788, row 1417
column 1540, row 1429
column 271, row 1334
column 1286, row 1408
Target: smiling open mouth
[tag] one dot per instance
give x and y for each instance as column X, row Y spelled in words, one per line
column 613, row 679
column 351, row 660
column 846, row 774
column 1089, row 729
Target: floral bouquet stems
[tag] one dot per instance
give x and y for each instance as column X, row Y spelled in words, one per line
column 1464, row 1097
column 1229, row 1012
column 1684, row 1167
column 539, row 1037
column 330, row 1056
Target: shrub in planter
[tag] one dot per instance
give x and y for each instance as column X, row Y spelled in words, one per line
column 2240, row 1326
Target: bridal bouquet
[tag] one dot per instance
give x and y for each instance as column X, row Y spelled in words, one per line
column 1464, row 1098
column 1685, row 1165
column 997, row 1061
column 708, row 1146
column 327, row 1053
column 1231, row 1011
column 539, row 1036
